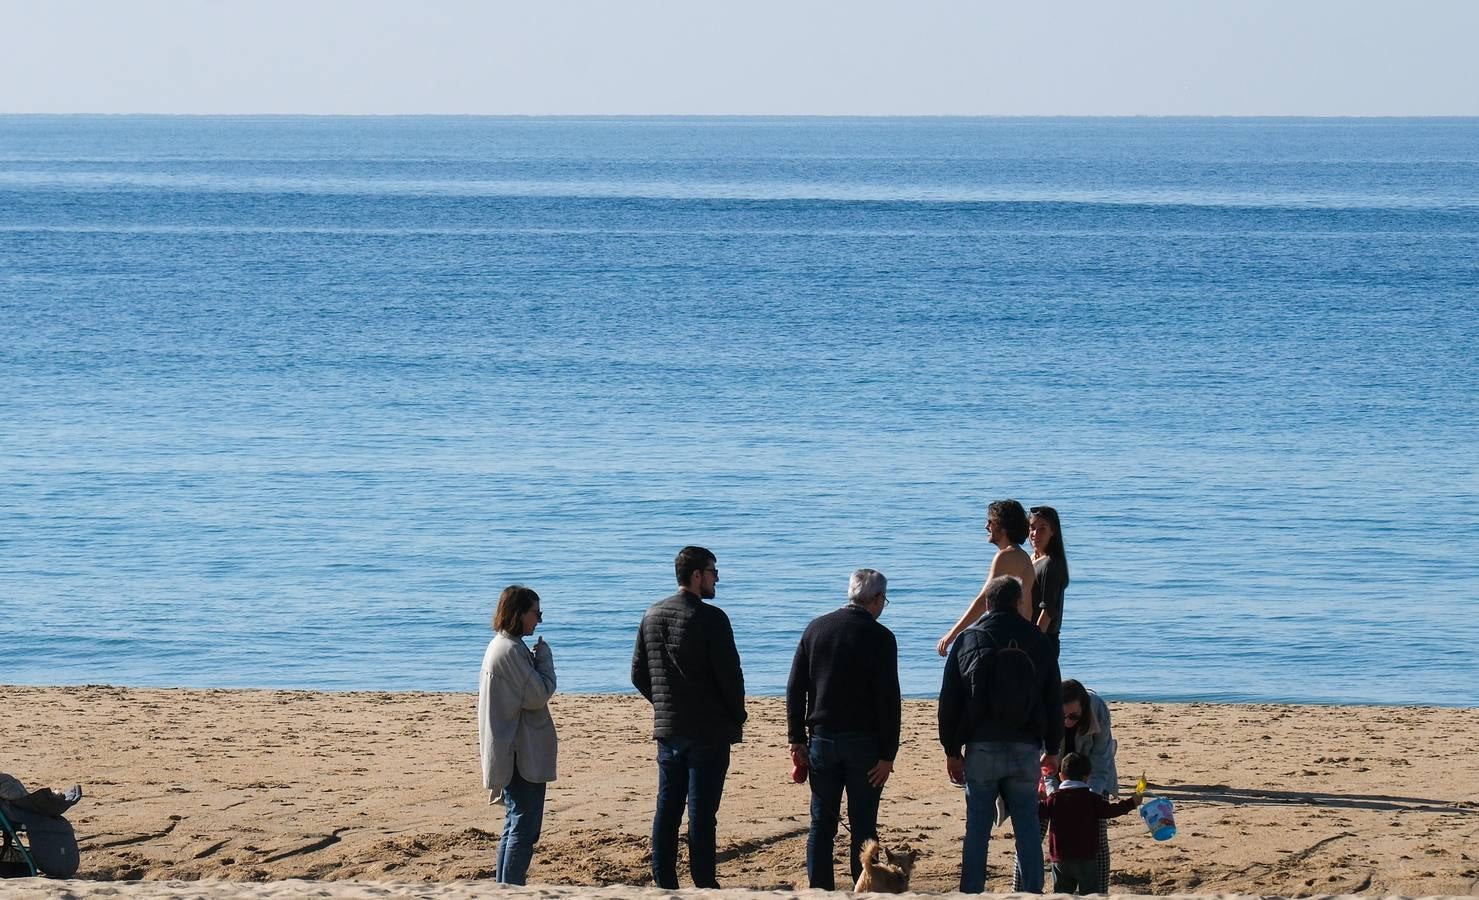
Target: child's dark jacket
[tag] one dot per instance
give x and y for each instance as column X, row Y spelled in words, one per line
column 1073, row 815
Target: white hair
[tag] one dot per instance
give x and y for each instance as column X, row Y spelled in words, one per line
column 865, row 585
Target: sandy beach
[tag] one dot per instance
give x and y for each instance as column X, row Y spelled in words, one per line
column 357, row 788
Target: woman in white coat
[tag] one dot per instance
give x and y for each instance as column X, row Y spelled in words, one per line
column 515, row 732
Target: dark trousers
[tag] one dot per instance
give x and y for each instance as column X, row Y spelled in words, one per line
column 688, row 772
column 52, row 842
column 1077, row 876
column 1101, row 858
column 840, row 762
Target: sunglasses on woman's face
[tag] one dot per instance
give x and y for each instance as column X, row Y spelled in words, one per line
column 1072, row 716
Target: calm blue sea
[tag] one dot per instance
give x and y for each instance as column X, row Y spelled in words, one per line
column 287, row 401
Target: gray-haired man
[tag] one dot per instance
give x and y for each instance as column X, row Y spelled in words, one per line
column 842, row 712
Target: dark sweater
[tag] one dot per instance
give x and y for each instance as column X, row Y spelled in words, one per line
column 845, row 678
column 1073, row 816
column 685, row 663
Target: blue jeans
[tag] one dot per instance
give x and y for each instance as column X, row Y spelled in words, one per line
column 1011, row 770
column 691, row 772
column 840, row 762
column 523, row 818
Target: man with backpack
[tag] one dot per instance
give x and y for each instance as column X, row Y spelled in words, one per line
column 999, row 723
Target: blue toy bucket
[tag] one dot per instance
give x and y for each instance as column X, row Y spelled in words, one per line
column 1160, row 818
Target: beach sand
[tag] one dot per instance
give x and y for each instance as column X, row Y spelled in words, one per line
column 252, row 786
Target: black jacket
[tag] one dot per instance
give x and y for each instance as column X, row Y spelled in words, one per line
column 845, row 677
column 686, row 665
column 969, row 658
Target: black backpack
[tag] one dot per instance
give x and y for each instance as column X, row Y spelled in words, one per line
column 1005, row 684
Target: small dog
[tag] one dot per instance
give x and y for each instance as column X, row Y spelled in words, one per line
column 886, row 871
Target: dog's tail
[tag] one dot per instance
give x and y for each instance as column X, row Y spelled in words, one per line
column 869, row 856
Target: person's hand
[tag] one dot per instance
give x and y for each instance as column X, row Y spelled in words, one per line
column 878, row 775
column 943, row 646
column 800, row 763
column 540, row 647
column 955, row 768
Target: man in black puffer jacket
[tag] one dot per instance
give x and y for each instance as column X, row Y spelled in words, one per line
column 687, row 667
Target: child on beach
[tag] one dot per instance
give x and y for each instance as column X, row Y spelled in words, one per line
column 1073, row 812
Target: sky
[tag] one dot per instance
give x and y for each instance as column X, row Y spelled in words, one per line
column 743, row 57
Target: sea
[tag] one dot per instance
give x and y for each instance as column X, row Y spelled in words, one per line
column 285, row 402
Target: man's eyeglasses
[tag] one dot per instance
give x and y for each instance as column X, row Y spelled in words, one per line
column 712, row 569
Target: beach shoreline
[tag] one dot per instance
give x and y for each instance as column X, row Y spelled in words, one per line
column 382, row 788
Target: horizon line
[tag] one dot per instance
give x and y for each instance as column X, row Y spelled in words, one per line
column 728, row 115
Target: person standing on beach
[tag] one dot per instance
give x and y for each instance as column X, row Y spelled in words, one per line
column 1049, row 569
column 516, row 736
column 1006, row 523
column 686, row 665
column 999, row 722
column 1078, row 814
column 844, row 693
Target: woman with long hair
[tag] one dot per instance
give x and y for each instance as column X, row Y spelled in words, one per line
column 516, row 735
column 1049, row 568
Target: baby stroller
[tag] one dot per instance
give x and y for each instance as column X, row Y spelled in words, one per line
column 34, row 837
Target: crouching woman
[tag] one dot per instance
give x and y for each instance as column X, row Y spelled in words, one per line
column 515, row 732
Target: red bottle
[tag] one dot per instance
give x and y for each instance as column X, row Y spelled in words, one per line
column 799, row 766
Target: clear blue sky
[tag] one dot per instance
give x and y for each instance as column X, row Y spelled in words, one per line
column 858, row 57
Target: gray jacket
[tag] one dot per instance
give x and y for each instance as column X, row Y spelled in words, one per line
column 513, row 712
column 1099, row 746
